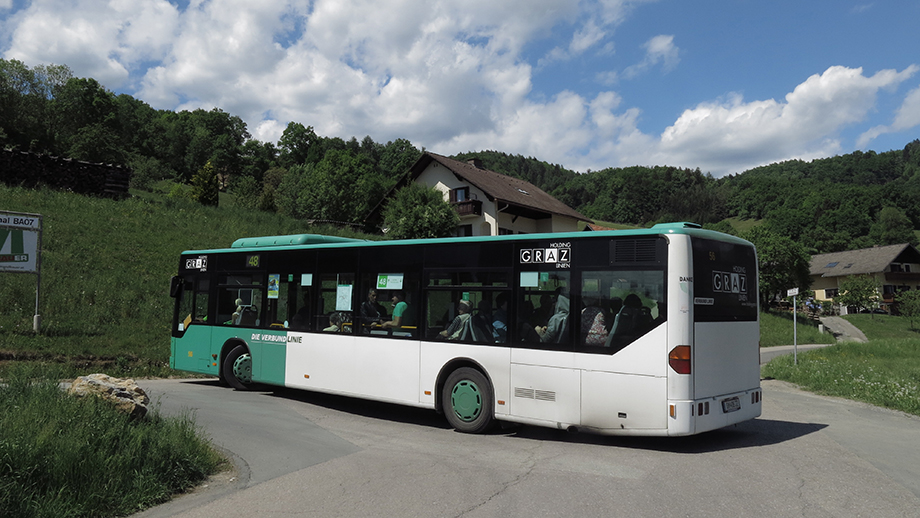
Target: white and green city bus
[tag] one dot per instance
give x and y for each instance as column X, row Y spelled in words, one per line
column 636, row 332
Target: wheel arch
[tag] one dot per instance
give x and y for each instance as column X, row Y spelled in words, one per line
column 225, row 350
column 450, row 367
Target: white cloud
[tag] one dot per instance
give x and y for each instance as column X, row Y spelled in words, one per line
column 586, row 38
column 906, row 117
column 99, row 40
column 658, row 50
column 733, row 135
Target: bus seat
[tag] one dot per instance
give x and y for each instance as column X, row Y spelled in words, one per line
column 249, row 317
column 480, row 329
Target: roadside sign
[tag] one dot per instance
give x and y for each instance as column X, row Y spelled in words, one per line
column 792, row 293
column 19, row 238
column 20, row 249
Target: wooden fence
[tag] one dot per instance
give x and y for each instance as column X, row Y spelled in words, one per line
column 18, row 168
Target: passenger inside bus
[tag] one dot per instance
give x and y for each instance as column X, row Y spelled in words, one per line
column 335, row 323
column 301, row 320
column 460, row 324
column 372, row 312
column 500, row 319
column 556, row 330
column 402, row 313
column 594, row 320
column 235, row 318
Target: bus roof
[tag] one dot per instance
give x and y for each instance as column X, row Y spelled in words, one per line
column 324, row 241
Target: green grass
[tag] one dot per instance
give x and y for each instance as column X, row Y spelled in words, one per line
column 776, row 329
column 616, row 226
column 106, row 267
column 743, row 225
column 883, row 372
column 62, row 456
column 883, row 326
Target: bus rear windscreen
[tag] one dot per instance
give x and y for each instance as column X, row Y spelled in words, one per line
column 725, row 281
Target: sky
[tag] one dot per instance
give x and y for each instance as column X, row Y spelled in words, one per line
column 720, row 85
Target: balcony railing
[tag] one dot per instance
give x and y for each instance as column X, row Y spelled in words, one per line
column 468, row 208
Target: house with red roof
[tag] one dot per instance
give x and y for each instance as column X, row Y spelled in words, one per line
column 490, row 203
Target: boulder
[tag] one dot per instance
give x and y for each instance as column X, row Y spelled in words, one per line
column 124, row 393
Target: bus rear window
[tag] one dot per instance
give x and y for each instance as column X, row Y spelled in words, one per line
column 725, row 281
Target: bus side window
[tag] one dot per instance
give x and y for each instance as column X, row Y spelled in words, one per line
column 403, row 302
column 544, row 311
column 617, row 307
column 337, row 297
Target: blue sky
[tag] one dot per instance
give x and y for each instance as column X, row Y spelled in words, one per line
column 723, row 85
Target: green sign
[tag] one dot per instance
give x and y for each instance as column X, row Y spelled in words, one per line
column 19, row 238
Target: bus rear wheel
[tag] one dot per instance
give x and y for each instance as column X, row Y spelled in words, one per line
column 467, row 401
column 237, row 368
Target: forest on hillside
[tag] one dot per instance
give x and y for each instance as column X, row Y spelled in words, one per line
column 844, row 202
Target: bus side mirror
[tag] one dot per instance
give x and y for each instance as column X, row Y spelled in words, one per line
column 175, row 286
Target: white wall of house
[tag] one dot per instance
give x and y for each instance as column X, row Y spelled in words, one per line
column 489, row 223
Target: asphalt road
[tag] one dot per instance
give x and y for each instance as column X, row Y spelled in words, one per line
column 302, row 454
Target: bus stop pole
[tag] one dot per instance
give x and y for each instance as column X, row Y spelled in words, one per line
column 795, row 333
column 37, row 319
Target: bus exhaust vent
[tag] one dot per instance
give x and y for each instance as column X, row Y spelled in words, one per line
column 539, row 395
column 633, row 250
column 651, row 251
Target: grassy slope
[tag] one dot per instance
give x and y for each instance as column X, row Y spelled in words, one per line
column 106, row 267
column 776, row 329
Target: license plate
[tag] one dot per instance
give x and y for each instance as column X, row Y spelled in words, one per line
column 731, row 404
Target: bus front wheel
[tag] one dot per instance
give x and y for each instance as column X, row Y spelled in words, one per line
column 237, row 368
column 467, row 401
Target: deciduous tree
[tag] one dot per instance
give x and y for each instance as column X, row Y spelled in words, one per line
column 205, row 186
column 859, row 291
column 909, row 305
column 784, row 264
column 892, row 228
column 419, row 212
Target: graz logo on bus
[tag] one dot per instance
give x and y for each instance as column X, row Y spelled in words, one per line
column 729, row 282
column 559, row 254
column 197, row 263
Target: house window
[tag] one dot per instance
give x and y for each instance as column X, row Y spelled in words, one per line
column 896, row 267
column 464, row 230
column 459, row 194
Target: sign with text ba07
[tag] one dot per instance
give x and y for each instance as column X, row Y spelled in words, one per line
column 19, row 237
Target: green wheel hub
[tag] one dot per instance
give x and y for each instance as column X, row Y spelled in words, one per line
column 466, row 400
column 242, row 368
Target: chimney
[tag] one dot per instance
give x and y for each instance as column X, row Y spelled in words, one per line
column 475, row 162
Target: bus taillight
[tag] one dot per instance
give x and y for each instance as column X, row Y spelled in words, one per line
column 679, row 359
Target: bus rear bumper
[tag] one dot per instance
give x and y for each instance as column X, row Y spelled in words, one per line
column 702, row 415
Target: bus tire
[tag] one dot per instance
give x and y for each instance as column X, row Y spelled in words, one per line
column 237, row 368
column 467, row 401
